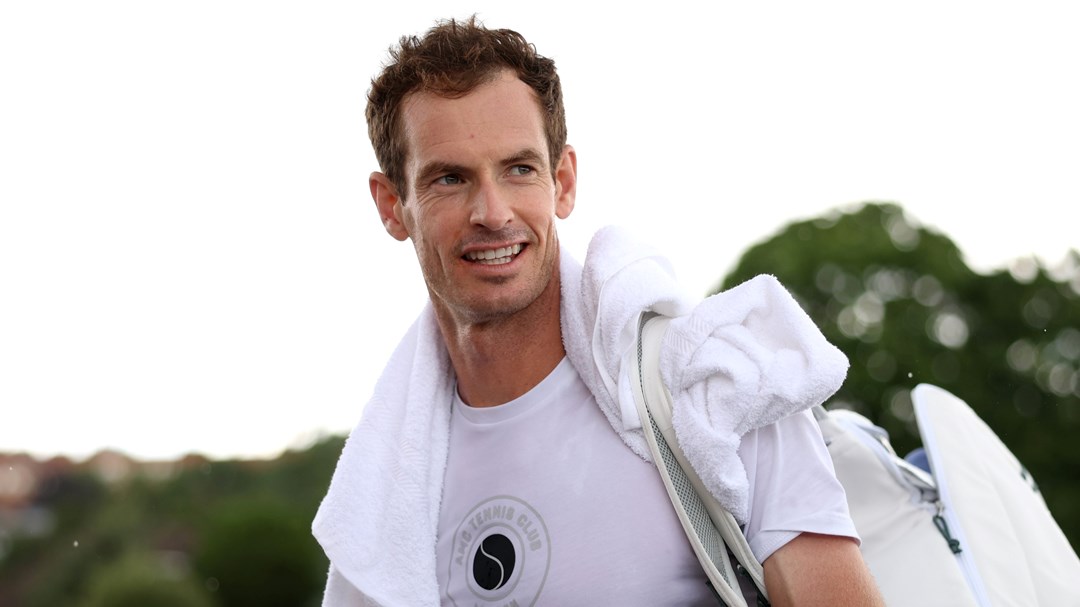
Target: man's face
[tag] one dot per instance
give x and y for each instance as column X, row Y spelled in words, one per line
column 482, row 198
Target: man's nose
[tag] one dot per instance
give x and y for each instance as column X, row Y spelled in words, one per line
column 490, row 206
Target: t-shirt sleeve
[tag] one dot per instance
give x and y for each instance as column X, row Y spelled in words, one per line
column 793, row 488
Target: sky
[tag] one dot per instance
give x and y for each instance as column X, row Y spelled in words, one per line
column 190, row 261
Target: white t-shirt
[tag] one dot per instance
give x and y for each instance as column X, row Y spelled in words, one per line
column 544, row 504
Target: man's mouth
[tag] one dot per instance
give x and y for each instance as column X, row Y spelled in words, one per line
column 493, row 257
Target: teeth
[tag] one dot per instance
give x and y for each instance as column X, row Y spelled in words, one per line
column 494, row 256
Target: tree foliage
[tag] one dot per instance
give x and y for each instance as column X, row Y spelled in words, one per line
column 139, row 580
column 259, row 552
column 900, row 301
column 214, row 534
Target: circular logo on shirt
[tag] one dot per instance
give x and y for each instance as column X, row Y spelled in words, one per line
column 501, row 554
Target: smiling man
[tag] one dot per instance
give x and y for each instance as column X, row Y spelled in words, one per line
column 498, row 462
column 478, row 197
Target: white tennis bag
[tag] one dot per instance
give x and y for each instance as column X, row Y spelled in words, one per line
column 975, row 532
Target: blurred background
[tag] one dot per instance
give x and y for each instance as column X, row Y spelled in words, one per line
column 196, row 297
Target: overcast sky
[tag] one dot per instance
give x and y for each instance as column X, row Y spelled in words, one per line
column 190, row 260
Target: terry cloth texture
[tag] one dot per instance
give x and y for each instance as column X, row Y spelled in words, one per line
column 735, row 362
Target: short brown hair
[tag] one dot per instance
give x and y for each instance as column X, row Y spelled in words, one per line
column 451, row 60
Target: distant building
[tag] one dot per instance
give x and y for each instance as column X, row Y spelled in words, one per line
column 19, row 477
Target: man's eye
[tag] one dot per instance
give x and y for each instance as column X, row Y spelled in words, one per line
column 520, row 170
column 448, row 180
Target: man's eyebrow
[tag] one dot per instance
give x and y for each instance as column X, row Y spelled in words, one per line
column 526, row 155
column 431, row 170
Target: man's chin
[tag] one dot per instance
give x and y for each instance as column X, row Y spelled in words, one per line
column 490, row 313
column 494, row 307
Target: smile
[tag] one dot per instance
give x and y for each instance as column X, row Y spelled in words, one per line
column 494, row 256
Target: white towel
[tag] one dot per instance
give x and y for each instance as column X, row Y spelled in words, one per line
column 742, row 359
column 601, row 304
column 378, row 521
column 737, row 361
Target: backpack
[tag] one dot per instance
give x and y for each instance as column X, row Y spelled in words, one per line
column 972, row 531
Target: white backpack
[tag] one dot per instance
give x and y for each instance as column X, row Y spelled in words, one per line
column 975, row 533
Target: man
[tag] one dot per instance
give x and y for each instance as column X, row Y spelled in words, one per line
column 496, row 463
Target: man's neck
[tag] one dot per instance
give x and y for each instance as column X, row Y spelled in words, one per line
column 499, row 360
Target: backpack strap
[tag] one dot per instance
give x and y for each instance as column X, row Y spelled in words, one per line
column 711, row 529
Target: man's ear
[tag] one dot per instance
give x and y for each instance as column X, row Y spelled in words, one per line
column 389, row 205
column 565, row 183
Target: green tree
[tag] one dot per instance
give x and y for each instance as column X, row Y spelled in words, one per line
column 256, row 552
column 179, row 522
column 900, row 301
column 140, row 580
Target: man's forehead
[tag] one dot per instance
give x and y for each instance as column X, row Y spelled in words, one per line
column 501, row 90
